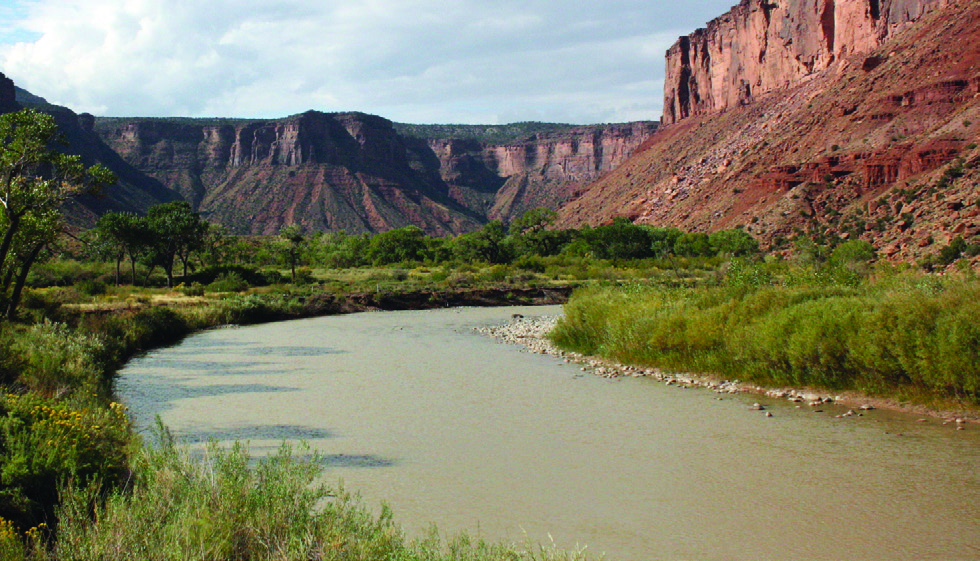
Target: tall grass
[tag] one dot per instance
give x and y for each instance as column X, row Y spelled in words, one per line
column 224, row 505
column 900, row 331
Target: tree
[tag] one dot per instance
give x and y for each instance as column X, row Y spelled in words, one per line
column 124, row 235
column 531, row 233
column 662, row 240
column 620, row 240
column 176, row 231
column 733, row 242
column 36, row 232
column 486, row 244
column 397, row 246
column 693, row 244
column 340, row 250
column 36, row 179
column 292, row 246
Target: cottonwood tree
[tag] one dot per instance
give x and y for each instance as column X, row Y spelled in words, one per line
column 293, row 243
column 36, row 179
column 176, row 231
column 123, row 234
column 38, row 230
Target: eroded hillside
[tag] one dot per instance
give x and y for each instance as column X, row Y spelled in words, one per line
column 357, row 172
column 860, row 149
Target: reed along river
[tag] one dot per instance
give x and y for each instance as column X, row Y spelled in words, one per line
column 452, row 428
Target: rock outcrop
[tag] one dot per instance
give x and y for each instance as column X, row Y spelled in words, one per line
column 763, row 45
column 356, row 172
column 506, row 179
column 882, row 146
column 8, row 101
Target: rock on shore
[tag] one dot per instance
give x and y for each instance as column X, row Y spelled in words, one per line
column 532, row 334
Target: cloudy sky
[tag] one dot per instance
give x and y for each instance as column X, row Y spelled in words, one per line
column 415, row 61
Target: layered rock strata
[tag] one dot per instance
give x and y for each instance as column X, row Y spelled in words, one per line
column 763, row 45
column 882, row 146
column 355, row 172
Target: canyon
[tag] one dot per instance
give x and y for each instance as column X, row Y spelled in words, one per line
column 837, row 119
column 873, row 135
column 358, row 173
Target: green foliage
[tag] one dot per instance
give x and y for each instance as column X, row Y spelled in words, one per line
column 176, row 231
column 899, row 332
column 620, row 240
column 693, row 244
column 292, row 245
column 228, row 282
column 733, row 242
column 401, row 245
column 486, row 244
column 35, row 181
column 852, row 253
column 952, row 252
column 50, row 359
column 340, row 250
column 46, row 442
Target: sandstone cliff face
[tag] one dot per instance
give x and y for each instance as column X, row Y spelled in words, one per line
column 355, row 172
column 504, row 180
column 762, row 45
column 856, row 151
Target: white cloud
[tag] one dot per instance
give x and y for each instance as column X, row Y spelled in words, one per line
column 414, row 61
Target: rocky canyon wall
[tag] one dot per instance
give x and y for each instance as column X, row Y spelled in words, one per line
column 881, row 146
column 355, row 172
column 505, row 179
column 762, row 45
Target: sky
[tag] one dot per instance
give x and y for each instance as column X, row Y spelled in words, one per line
column 418, row 61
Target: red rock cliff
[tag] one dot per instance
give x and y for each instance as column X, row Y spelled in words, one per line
column 356, row 172
column 761, row 45
column 506, row 179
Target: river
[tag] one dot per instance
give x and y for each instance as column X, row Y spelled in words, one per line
column 452, row 428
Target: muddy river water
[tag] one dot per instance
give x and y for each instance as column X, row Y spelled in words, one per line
column 452, row 428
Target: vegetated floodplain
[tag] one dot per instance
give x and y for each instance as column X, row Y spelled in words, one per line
column 904, row 335
column 75, row 482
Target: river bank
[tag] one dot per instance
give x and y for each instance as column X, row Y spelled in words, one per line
column 532, row 333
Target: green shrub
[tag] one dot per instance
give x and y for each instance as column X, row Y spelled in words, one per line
column 46, row 442
column 91, row 287
column 228, row 282
column 51, row 359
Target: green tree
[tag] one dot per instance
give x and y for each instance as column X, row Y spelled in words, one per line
column 123, row 234
column 852, row 253
column 341, row 250
column 292, row 244
column 37, row 231
column 486, row 244
column 176, row 231
column 400, row 245
column 531, row 234
column 36, row 179
column 620, row 240
column 693, row 244
column 662, row 241
column 734, row 242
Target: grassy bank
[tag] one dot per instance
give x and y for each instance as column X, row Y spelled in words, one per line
column 902, row 335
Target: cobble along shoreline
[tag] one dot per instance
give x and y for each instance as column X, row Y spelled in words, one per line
column 532, row 334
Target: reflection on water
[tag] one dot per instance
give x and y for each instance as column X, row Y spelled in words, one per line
column 448, row 427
